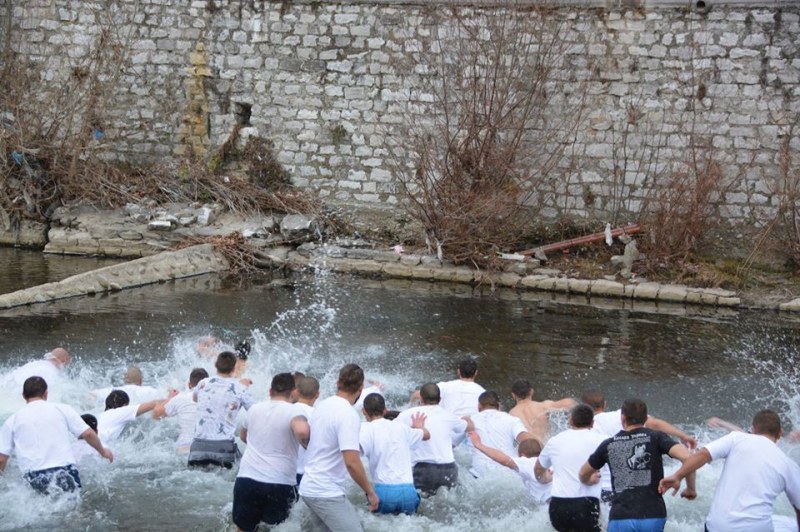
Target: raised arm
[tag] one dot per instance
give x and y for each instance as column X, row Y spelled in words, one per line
column 668, row 428
column 352, row 460
column 715, row 422
column 495, row 454
column 691, row 464
column 92, row 439
column 418, row 422
column 301, row 430
column 679, row 452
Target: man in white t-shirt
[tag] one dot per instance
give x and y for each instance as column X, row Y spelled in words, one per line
column 41, row 434
column 265, row 489
column 755, row 473
column 387, row 445
column 219, row 400
column 573, row 504
column 50, row 368
column 524, row 465
column 132, row 385
column 460, row 396
column 185, row 409
column 307, row 393
column 496, row 429
column 119, row 412
column 434, row 462
column 332, row 454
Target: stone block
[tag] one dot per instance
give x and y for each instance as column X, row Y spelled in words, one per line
column 604, row 288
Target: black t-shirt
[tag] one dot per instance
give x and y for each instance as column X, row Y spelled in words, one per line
column 634, row 459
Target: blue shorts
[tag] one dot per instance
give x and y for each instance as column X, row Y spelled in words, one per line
column 64, row 478
column 655, row 524
column 397, row 498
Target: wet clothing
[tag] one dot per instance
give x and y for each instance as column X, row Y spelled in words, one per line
column 222, row 453
column 397, row 498
column 64, row 478
column 430, row 477
column 255, row 502
column 575, row 514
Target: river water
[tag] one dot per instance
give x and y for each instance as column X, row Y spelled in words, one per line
column 688, row 364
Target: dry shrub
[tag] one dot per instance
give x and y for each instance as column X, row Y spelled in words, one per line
column 785, row 188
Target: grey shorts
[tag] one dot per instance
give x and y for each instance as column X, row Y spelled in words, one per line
column 222, row 453
column 332, row 514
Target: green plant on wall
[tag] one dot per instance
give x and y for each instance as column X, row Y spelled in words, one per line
column 338, row 134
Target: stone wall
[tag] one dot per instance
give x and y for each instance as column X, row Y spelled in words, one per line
column 331, row 85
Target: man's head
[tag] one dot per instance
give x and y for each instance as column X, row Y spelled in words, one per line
column 58, row 356
column 282, row 386
column 307, row 388
column 196, row 376
column 90, row 420
column 634, row 412
column 594, row 398
column 117, row 399
column 581, row 417
column 467, row 368
column 226, row 363
column 488, row 400
column 374, row 405
column 530, row 448
column 351, row 379
column 133, row 376
column 767, row 423
column 521, row 389
column 34, row 388
column 430, row 394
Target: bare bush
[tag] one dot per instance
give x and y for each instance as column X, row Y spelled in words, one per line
column 486, row 130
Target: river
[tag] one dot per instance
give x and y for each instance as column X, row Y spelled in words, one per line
column 688, row 364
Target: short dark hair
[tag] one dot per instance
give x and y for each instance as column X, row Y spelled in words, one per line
column 90, row 420
column 226, row 362
column 594, row 398
column 767, row 422
column 391, row 414
column 282, row 384
column 489, row 399
column 430, row 394
column 582, row 416
column 374, row 405
column 33, row 387
column 351, row 378
column 635, row 411
column 521, row 388
column 196, row 376
column 117, row 399
column 530, row 448
column 307, row 387
column 468, row 367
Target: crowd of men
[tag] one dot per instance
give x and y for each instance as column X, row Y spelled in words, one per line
column 299, row 447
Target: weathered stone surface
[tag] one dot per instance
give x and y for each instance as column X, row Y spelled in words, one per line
column 646, row 291
column 604, row 288
column 295, row 226
column 676, row 293
column 26, row 234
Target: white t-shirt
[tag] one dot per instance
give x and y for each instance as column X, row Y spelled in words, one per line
column 271, row 453
column 387, row 445
column 445, row 429
column 136, row 394
column 305, row 410
column 565, row 453
column 41, row 435
column 460, row 397
column 756, row 471
column 364, row 393
column 538, row 492
column 111, row 423
column 219, row 400
column 184, row 407
column 498, row 430
column 335, row 428
column 38, row 368
column 82, row 450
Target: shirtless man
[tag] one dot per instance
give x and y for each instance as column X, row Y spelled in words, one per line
column 535, row 414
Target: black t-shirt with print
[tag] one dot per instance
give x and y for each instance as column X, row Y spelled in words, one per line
column 634, row 459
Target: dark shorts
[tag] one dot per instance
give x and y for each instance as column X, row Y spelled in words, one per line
column 222, row 453
column 578, row 514
column 255, row 502
column 430, row 477
column 45, row 481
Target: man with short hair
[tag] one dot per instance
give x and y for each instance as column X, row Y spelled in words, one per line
column 755, row 473
column 535, row 414
column 387, row 446
column 185, row 408
column 132, row 385
column 460, row 396
column 434, row 462
column 333, row 453
column 306, row 394
column 574, row 505
column 634, row 458
column 51, row 367
column 40, row 436
column 119, row 412
column 496, row 429
column 265, row 489
column 219, row 399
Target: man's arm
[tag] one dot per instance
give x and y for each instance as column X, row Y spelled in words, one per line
column 715, row 422
column 352, row 460
column 243, row 434
column 562, row 404
column 418, row 422
column 668, row 428
column 92, row 439
column 679, row 452
column 495, row 454
column 589, row 475
column 3, row 462
column 691, row 464
column 160, row 410
column 301, row 430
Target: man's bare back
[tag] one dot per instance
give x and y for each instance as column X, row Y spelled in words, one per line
column 535, row 414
